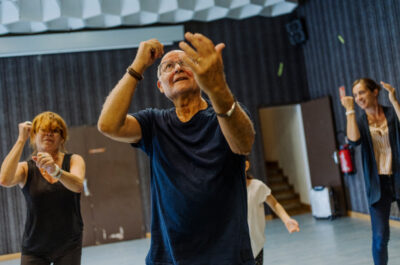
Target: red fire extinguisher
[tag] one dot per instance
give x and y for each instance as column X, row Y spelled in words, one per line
column 346, row 162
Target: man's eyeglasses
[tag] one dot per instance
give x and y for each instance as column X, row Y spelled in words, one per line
column 169, row 66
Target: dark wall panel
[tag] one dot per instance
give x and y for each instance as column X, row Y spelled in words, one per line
column 75, row 86
column 370, row 30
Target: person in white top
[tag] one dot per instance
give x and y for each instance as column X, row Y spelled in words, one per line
column 257, row 194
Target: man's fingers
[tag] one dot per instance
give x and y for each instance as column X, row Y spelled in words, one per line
column 190, row 52
column 150, row 50
column 202, row 44
column 157, row 50
column 220, row 47
column 191, row 63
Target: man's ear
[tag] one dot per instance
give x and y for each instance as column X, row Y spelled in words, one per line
column 159, row 85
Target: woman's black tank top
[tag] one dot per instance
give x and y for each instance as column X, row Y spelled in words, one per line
column 54, row 222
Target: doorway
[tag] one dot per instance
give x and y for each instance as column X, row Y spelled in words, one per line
column 284, row 143
column 301, row 138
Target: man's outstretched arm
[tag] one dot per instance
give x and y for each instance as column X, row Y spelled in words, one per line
column 207, row 65
column 114, row 121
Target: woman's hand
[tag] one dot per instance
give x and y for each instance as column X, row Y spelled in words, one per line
column 45, row 161
column 292, row 225
column 24, row 129
column 347, row 101
column 391, row 92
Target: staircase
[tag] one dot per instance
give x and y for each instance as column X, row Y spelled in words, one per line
column 283, row 191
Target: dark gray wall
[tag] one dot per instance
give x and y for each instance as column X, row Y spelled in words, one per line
column 370, row 29
column 75, row 86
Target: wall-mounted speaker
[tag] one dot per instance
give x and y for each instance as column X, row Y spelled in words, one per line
column 296, row 32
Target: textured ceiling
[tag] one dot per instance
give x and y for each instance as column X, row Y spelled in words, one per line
column 35, row 16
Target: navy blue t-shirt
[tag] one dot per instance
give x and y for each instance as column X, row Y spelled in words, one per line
column 198, row 191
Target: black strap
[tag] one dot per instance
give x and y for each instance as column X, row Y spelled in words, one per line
column 66, row 162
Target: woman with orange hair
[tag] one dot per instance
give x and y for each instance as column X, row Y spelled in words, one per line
column 51, row 182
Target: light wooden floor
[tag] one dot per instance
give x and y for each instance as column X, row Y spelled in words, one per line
column 344, row 241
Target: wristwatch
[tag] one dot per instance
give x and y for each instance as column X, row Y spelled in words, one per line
column 229, row 112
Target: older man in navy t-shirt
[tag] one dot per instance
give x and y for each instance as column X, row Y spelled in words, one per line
column 198, row 190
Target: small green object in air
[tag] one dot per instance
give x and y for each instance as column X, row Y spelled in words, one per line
column 280, row 69
column 341, row 39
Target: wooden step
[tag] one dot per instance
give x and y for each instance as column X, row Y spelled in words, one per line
column 283, row 191
column 292, row 206
column 290, row 201
column 278, row 182
column 272, row 164
column 272, row 168
column 277, row 178
column 285, row 194
column 279, row 186
column 274, row 171
column 300, row 210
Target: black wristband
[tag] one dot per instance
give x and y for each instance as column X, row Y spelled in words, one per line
column 134, row 74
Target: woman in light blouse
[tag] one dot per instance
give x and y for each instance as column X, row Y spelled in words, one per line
column 377, row 130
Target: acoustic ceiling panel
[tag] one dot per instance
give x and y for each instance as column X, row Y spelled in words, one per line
column 36, row 16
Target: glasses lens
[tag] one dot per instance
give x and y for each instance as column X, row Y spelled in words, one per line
column 169, row 66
